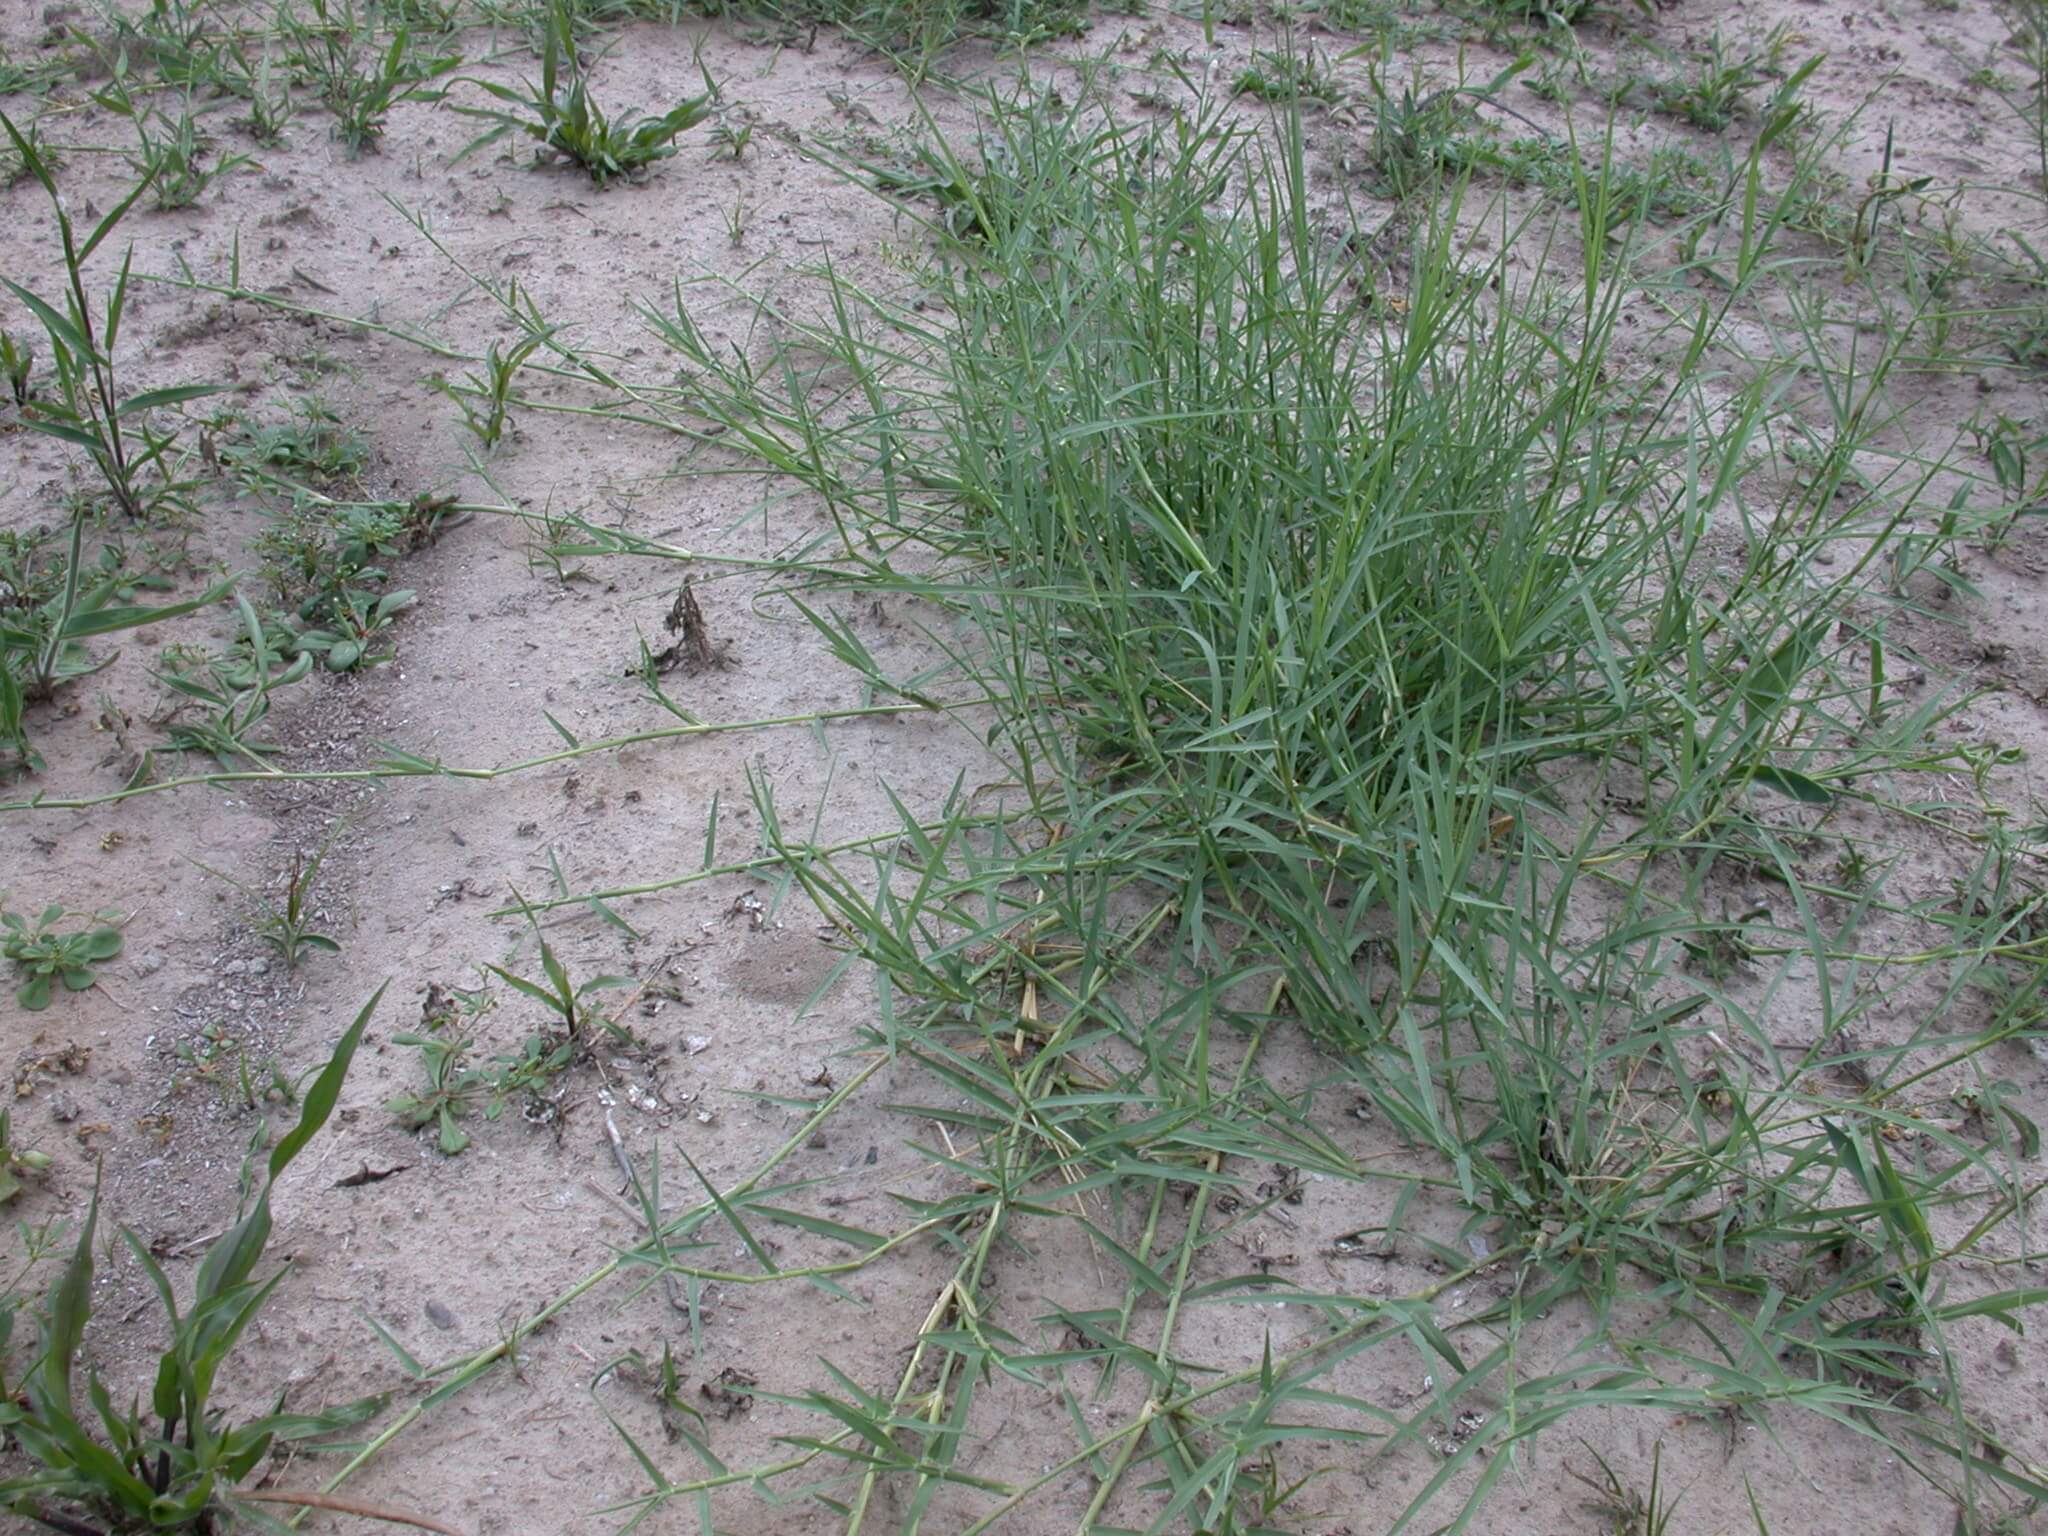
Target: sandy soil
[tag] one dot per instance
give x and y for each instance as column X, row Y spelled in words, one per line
column 743, row 998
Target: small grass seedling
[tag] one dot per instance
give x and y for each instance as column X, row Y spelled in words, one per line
column 486, row 401
column 1719, row 87
column 566, row 1000
column 334, row 48
column 287, row 926
column 554, row 541
column 737, row 217
column 567, row 122
column 59, row 946
column 2027, row 40
column 267, row 107
column 16, row 1161
column 1621, row 1510
column 215, row 1048
column 170, row 154
column 1286, row 77
column 176, row 1466
column 732, row 133
column 18, row 166
column 89, row 410
column 17, row 359
column 1418, row 133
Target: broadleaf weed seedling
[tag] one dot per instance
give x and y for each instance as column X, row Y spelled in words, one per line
column 310, row 444
column 457, row 1086
column 52, row 605
column 2018, row 454
column 346, row 623
column 57, row 946
column 237, row 703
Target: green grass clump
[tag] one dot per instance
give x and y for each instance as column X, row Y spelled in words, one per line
column 1393, row 664
column 175, row 1465
column 563, row 116
column 358, row 72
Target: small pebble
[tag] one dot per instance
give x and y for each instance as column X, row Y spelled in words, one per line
column 440, row 1316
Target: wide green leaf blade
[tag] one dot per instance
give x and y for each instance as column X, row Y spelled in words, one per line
column 106, row 621
column 176, row 394
column 326, row 1089
column 70, row 1305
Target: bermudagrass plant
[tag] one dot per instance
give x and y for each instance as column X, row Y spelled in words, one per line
column 175, row 1466
column 46, row 952
column 562, row 116
column 1305, row 616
